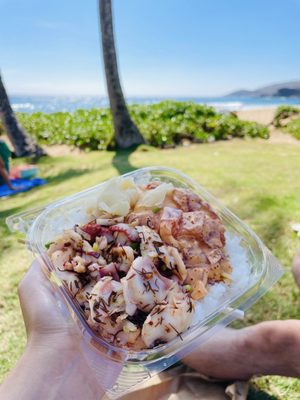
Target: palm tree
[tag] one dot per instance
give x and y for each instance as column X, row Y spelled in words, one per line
column 22, row 143
column 126, row 132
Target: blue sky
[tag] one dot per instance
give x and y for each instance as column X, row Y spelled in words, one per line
column 165, row 47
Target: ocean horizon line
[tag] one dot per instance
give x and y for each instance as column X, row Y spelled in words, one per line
column 51, row 104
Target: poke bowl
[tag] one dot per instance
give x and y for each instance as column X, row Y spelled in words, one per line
column 150, row 265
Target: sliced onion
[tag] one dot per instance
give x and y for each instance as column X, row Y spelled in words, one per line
column 109, row 221
column 85, row 235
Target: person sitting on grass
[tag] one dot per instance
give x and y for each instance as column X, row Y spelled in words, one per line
column 53, row 367
column 5, row 154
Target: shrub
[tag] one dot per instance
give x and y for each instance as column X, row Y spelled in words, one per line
column 293, row 127
column 90, row 129
column 164, row 124
column 283, row 112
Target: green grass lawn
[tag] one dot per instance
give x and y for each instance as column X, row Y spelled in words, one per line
column 258, row 180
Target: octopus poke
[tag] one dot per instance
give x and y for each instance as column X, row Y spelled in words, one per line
column 147, row 254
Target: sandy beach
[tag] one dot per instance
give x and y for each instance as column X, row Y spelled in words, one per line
column 265, row 116
column 261, row 115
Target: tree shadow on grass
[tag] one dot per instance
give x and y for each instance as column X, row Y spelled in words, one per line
column 66, row 175
column 121, row 160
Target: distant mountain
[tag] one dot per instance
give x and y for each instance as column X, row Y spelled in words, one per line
column 287, row 89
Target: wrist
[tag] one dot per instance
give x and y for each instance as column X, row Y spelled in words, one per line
column 60, row 369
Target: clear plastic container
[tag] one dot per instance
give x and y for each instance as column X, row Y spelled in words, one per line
column 133, row 367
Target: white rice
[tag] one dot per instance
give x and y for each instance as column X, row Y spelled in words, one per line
column 219, row 293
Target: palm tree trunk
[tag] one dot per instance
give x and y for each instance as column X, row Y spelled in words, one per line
column 22, row 143
column 126, row 132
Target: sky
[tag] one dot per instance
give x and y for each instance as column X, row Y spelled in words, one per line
column 165, row 47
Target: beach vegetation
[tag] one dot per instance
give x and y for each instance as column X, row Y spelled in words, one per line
column 283, row 113
column 293, row 127
column 164, row 124
column 287, row 118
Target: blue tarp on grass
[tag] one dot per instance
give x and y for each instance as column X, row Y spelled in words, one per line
column 26, row 184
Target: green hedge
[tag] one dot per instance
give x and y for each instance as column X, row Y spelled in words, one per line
column 163, row 124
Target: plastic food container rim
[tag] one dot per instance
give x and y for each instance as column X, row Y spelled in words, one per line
column 188, row 336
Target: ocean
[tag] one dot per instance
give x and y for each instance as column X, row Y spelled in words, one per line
column 51, row 104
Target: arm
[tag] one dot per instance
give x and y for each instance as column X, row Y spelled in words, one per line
column 50, row 371
column 53, row 366
column 4, row 174
column 268, row 348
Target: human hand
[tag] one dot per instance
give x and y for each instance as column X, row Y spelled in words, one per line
column 47, row 321
column 57, row 363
